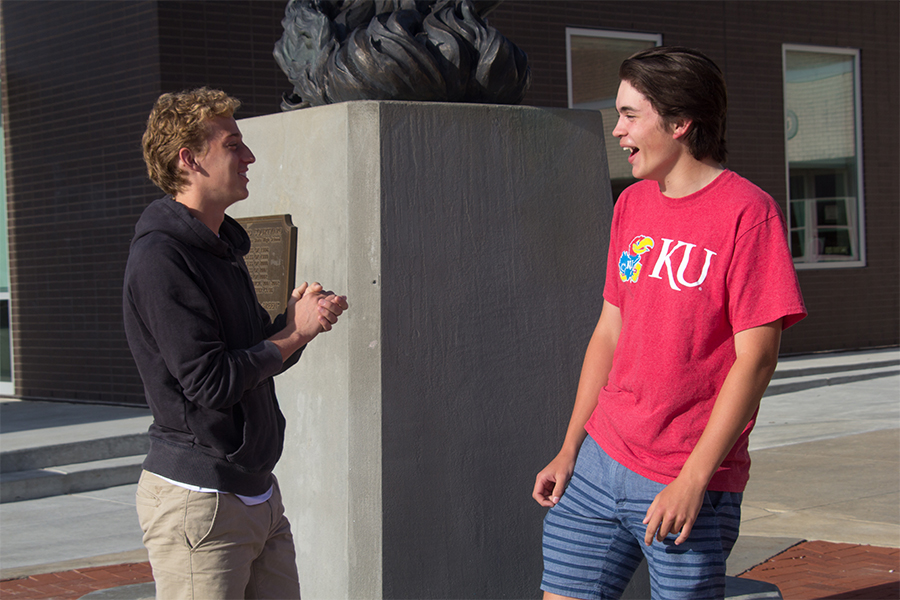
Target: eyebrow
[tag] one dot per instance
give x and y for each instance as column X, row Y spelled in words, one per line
column 627, row 109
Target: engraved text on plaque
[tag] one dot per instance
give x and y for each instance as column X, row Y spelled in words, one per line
column 272, row 259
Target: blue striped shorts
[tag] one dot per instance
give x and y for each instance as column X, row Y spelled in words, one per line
column 594, row 537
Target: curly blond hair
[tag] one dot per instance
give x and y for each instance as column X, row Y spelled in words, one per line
column 180, row 120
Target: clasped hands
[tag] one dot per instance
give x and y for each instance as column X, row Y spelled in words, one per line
column 314, row 310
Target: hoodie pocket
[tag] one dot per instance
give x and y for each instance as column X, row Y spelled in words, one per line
column 263, row 431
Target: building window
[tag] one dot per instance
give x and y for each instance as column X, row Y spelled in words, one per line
column 823, row 150
column 594, row 57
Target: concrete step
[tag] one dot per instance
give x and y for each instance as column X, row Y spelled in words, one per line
column 24, row 459
column 809, row 371
column 55, row 448
column 87, row 476
column 750, row 589
column 812, row 371
column 795, row 382
column 135, row 591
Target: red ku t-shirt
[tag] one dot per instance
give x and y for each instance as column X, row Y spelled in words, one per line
column 687, row 274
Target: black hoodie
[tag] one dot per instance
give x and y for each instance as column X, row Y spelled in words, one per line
column 198, row 337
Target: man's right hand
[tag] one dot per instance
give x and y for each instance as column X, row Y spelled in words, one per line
column 551, row 482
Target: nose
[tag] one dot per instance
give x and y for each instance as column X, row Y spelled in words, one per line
column 248, row 155
column 619, row 130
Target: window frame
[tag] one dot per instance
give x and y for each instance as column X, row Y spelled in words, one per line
column 600, row 33
column 617, row 183
column 857, row 220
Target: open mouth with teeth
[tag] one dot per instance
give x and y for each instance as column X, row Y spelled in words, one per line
column 631, row 150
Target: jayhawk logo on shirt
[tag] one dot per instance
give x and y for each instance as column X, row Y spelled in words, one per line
column 630, row 261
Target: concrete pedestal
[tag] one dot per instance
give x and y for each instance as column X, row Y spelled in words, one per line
column 471, row 241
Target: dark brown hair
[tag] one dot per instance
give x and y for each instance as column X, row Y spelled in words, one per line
column 682, row 83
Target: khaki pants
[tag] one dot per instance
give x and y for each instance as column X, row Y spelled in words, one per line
column 206, row 546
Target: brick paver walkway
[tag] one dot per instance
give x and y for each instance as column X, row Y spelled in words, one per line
column 807, row 571
column 823, row 570
column 70, row 585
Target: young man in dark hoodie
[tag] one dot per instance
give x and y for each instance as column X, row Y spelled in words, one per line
column 208, row 503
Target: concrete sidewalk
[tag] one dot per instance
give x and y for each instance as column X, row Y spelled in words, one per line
column 62, row 532
column 825, row 453
column 826, row 457
column 826, row 460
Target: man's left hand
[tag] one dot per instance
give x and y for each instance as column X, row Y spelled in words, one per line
column 330, row 307
column 674, row 510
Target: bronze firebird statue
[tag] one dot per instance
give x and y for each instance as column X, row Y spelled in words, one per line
column 416, row 50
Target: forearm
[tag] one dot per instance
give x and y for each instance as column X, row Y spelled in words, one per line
column 289, row 341
column 735, row 406
column 738, row 400
column 175, row 333
column 675, row 509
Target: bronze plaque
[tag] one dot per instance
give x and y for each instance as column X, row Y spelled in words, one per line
column 272, row 259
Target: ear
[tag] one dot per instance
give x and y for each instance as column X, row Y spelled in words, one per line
column 682, row 126
column 187, row 160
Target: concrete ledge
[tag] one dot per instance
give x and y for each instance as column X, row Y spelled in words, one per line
column 70, row 479
column 137, row 591
column 76, row 452
column 790, row 384
column 750, row 589
column 833, row 368
column 735, row 589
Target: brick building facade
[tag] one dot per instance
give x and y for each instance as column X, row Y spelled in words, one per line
column 78, row 79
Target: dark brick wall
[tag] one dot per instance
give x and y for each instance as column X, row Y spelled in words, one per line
column 80, row 78
column 225, row 45
column 849, row 308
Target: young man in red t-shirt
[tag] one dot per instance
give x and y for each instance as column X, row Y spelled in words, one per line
column 700, row 284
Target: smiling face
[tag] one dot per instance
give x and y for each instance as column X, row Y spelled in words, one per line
column 223, row 167
column 654, row 148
